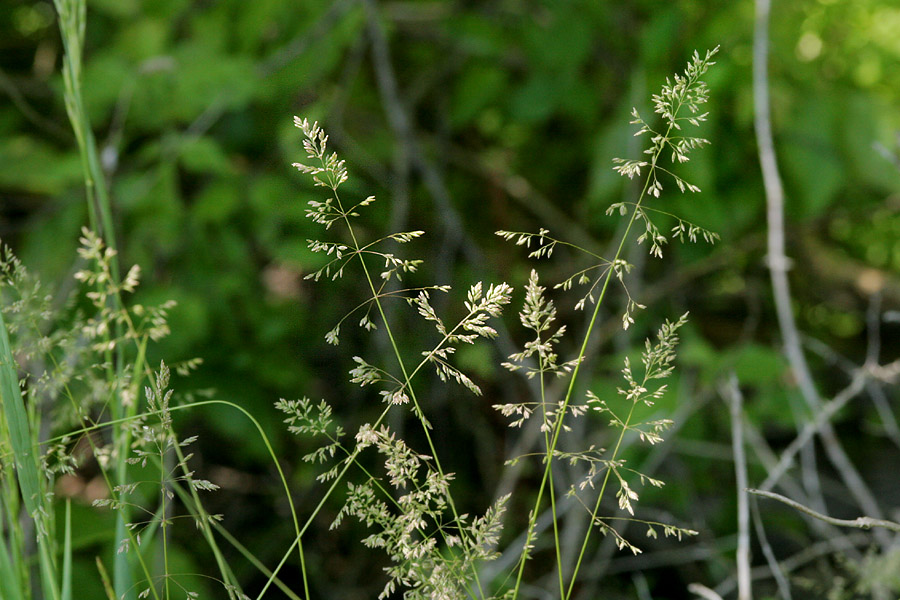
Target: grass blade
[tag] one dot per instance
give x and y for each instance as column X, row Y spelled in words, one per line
column 8, row 579
column 67, row 555
column 104, row 577
column 18, row 432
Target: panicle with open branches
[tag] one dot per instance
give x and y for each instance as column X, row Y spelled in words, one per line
column 678, row 104
column 433, row 549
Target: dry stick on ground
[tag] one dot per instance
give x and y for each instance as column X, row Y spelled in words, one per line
column 861, row 378
column 777, row 470
column 859, row 522
column 778, row 265
column 732, row 394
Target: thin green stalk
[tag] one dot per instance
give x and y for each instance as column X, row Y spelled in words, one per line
column 125, row 532
column 565, row 405
column 549, row 459
column 10, row 506
column 266, row 442
column 581, row 355
column 298, row 532
column 556, row 543
column 104, row 578
column 326, row 214
column 656, row 365
column 67, row 554
column 676, row 106
column 236, row 544
column 574, row 374
column 593, row 521
column 318, row 507
column 72, row 22
column 164, row 528
column 140, row 369
column 204, row 520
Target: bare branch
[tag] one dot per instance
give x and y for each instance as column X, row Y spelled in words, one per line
column 859, row 522
column 732, row 394
column 778, row 265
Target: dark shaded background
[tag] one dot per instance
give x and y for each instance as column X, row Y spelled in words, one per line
column 463, row 118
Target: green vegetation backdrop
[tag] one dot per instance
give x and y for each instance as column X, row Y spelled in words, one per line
column 463, row 118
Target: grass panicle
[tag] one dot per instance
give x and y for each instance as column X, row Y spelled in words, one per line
column 433, row 549
column 76, row 384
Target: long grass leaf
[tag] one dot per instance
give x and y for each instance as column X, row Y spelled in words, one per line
column 8, row 588
column 67, row 555
column 10, row 502
column 18, row 431
column 104, row 577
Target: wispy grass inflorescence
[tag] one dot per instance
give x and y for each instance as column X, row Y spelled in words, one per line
column 657, row 361
column 689, row 92
column 410, row 527
column 155, row 441
column 538, row 315
column 678, row 104
column 72, row 380
column 67, row 362
column 434, row 550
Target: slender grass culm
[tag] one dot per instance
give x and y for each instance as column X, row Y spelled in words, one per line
column 72, row 16
column 434, row 551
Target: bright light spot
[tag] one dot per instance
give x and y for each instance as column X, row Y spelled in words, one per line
column 884, row 29
column 809, row 47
